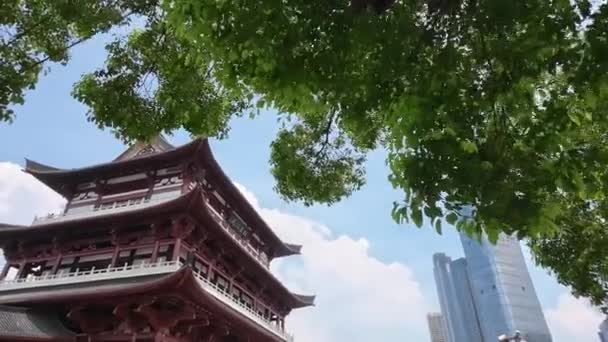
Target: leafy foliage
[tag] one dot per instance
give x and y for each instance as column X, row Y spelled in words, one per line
column 480, row 104
column 492, row 113
column 577, row 254
column 154, row 81
column 33, row 32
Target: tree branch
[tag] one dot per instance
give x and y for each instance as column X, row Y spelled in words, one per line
column 326, row 132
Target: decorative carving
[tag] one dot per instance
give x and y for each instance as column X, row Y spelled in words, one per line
column 146, row 150
column 131, row 322
column 181, row 227
column 165, row 313
column 93, row 319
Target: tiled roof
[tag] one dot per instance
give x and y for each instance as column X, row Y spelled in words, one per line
column 21, row 322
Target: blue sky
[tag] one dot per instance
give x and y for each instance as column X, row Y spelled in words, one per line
column 52, row 128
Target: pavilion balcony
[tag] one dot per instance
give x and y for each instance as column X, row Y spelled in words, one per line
column 109, row 208
column 139, row 270
column 259, row 257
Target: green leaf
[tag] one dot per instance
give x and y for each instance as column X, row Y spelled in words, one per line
column 438, row 226
column 451, row 218
column 468, row 146
column 416, row 216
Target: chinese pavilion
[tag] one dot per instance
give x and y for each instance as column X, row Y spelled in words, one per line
column 157, row 245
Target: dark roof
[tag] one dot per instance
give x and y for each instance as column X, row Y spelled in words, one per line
column 18, row 322
column 303, row 300
column 55, row 178
column 157, row 144
column 243, row 206
column 295, row 249
column 7, row 225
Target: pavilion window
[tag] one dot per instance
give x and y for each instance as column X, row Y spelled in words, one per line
column 183, row 255
column 143, row 255
column 262, row 311
column 66, row 265
column 216, row 203
column 221, row 282
column 164, row 253
column 115, row 186
column 237, row 223
column 125, row 257
column 236, row 293
column 201, row 268
column 95, row 261
column 247, row 300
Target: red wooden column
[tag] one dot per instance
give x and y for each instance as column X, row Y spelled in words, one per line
column 57, row 263
column 115, row 256
column 176, row 249
column 155, row 252
column 21, row 269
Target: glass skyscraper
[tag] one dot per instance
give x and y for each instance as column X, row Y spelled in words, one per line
column 490, row 287
column 603, row 333
column 457, row 307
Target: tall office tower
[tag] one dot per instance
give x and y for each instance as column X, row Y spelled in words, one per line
column 603, row 333
column 502, row 289
column 436, row 327
column 459, row 315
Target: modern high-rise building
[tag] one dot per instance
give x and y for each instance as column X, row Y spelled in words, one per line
column 436, row 327
column 455, row 299
column 502, row 289
column 603, row 333
column 488, row 293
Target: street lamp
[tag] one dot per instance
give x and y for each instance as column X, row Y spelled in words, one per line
column 515, row 338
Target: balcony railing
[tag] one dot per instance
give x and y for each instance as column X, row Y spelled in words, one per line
column 109, row 273
column 225, row 297
column 235, row 236
column 106, row 208
column 144, row 269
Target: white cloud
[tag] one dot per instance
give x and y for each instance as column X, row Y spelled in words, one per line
column 359, row 298
column 22, row 196
column 573, row 320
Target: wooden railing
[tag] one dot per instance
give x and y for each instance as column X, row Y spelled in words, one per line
column 235, row 236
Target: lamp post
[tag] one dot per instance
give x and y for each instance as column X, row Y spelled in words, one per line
column 517, row 337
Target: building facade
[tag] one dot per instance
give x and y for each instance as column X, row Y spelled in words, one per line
column 457, row 307
column 436, row 327
column 502, row 289
column 603, row 331
column 488, row 293
column 157, row 245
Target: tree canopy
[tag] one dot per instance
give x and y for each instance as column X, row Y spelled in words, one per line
column 491, row 106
